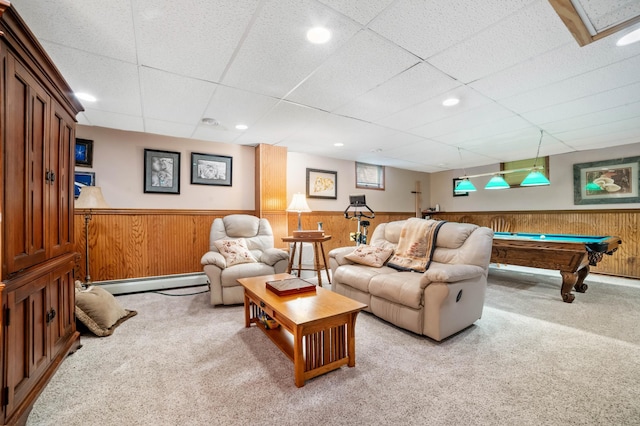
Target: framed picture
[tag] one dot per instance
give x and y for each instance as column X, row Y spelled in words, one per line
column 458, row 194
column 208, row 169
column 322, row 184
column 84, row 152
column 607, row 182
column 161, row 171
column 83, row 179
column 369, row 176
column 514, row 179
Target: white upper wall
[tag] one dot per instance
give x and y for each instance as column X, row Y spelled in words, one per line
column 118, row 164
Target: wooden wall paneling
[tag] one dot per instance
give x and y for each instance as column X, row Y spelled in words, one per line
column 271, row 188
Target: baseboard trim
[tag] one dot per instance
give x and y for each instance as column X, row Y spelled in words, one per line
column 138, row 285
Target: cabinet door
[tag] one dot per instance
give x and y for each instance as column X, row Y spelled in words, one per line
column 60, row 182
column 27, row 135
column 61, row 307
column 26, row 339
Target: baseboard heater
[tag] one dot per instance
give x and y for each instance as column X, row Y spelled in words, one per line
column 138, row 285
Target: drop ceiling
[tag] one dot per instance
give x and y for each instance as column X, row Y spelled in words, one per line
column 377, row 86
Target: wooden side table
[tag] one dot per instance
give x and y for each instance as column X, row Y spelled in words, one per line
column 317, row 248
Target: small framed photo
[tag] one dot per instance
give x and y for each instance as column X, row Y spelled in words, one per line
column 83, row 179
column 458, row 194
column 84, row 152
column 322, row 184
column 209, row 169
column 161, row 172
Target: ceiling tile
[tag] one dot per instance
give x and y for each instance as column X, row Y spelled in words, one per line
column 215, row 30
column 161, row 127
column 365, row 62
column 529, row 32
column 360, row 11
column 603, row 14
column 587, row 105
column 594, row 119
column 428, row 27
column 276, row 56
column 409, row 88
column 114, row 83
column 113, row 120
column 601, row 80
column 174, row 98
column 100, row 27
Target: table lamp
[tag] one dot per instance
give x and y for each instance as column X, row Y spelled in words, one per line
column 299, row 205
column 90, row 198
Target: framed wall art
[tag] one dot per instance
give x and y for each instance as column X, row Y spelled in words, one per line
column 209, row 169
column 84, row 152
column 322, row 184
column 607, row 182
column 83, row 179
column 458, row 194
column 161, row 172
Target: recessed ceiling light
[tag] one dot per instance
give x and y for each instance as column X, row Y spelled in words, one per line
column 86, row 97
column 632, row 37
column 318, row 35
column 242, row 126
column 338, row 144
column 451, row 102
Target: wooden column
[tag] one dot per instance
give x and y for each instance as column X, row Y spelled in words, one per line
column 271, row 188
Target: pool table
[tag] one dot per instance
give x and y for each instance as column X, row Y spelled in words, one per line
column 570, row 254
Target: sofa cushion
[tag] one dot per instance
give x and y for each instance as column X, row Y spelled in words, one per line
column 403, row 288
column 370, row 255
column 234, row 251
column 358, row 276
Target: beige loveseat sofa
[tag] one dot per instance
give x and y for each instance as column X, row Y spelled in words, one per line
column 446, row 298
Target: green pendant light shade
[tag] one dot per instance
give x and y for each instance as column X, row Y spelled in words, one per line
column 535, row 178
column 497, row 182
column 464, row 186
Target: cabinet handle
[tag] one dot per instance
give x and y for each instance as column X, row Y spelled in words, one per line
column 53, row 177
column 50, row 315
column 47, row 175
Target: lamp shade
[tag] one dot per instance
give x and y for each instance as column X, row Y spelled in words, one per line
column 298, row 204
column 497, row 182
column 464, row 185
column 91, row 198
column 535, row 178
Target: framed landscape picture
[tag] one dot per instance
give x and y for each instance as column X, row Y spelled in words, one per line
column 161, row 172
column 209, row 169
column 607, row 182
column 322, row 184
column 84, row 152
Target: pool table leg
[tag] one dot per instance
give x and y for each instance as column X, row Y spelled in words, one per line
column 573, row 280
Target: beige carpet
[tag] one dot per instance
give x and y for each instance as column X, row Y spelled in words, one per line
column 530, row 360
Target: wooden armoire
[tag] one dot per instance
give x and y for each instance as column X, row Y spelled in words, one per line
column 37, row 141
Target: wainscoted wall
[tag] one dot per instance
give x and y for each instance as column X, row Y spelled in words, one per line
column 133, row 243
column 623, row 223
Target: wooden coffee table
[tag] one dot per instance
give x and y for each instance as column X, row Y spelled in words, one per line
column 317, row 329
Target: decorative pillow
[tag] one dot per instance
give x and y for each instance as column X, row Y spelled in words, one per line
column 370, row 255
column 99, row 311
column 235, row 251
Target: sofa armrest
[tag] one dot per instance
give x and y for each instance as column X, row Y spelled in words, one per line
column 214, row 258
column 338, row 254
column 271, row 256
column 447, row 273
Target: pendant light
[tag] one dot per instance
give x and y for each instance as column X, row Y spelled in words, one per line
column 497, row 182
column 535, row 178
column 464, row 185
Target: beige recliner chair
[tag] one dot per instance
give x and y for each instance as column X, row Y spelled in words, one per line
column 240, row 246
